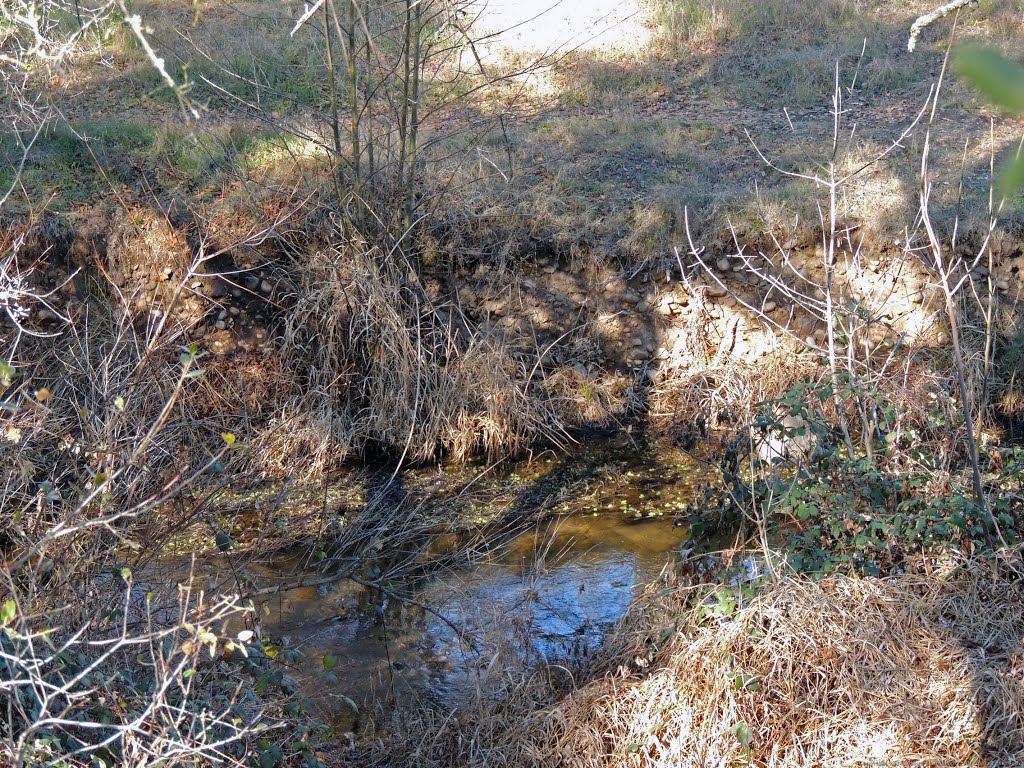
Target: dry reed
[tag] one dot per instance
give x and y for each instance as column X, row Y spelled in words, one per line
column 914, row 669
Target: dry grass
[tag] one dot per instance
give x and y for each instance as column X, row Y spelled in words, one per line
column 381, row 366
column 919, row 669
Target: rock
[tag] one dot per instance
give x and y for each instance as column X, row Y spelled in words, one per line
column 197, row 284
column 166, row 273
column 220, row 325
column 266, row 287
column 46, row 316
column 236, row 292
column 638, row 341
column 717, row 291
column 234, row 311
column 251, row 282
column 222, row 315
column 1003, row 284
column 723, row 264
column 769, row 306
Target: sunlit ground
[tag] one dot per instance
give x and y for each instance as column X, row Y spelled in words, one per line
column 550, row 26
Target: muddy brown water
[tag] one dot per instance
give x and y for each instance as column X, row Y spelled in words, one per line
column 547, row 595
column 550, row 595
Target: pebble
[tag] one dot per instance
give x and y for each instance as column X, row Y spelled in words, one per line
column 1003, row 284
column 236, row 292
column 723, row 264
column 251, row 282
column 769, row 306
column 220, row 325
column 234, row 311
column 716, row 291
column 266, row 287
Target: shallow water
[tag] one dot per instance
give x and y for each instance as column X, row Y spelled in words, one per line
column 551, row 593
column 545, row 595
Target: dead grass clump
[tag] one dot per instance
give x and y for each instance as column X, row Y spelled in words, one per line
column 380, row 366
column 911, row 669
column 701, row 386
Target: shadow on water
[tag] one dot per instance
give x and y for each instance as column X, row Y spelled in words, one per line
column 547, row 574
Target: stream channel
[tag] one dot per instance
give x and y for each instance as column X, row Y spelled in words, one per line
column 609, row 526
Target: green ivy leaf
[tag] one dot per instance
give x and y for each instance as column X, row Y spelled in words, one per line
column 329, row 662
column 224, row 542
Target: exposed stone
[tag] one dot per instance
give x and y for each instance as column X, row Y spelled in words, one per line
column 266, row 287
column 716, row 291
column 1003, row 284
column 723, row 264
column 769, row 306
column 251, row 282
column 220, row 325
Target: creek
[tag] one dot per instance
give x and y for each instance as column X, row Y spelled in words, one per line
column 607, row 524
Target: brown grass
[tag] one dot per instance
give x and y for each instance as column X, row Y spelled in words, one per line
column 381, row 366
column 918, row 669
